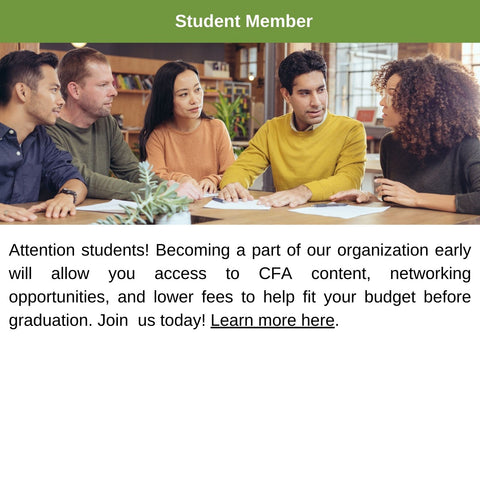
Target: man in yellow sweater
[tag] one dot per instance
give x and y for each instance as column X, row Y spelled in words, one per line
column 312, row 152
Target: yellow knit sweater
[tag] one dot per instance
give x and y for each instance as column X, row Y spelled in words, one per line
column 327, row 159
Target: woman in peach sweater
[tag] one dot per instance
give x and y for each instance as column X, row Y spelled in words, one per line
column 178, row 139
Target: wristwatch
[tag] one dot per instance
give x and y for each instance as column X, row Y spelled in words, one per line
column 70, row 192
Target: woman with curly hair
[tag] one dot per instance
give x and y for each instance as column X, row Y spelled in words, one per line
column 431, row 159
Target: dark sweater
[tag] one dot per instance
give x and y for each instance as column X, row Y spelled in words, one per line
column 455, row 172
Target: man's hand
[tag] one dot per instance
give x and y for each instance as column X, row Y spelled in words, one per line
column 353, row 196
column 10, row 213
column 233, row 192
column 207, row 186
column 59, row 206
column 293, row 197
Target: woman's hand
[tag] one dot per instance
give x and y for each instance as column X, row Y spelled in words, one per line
column 396, row 192
column 188, row 189
column 207, row 185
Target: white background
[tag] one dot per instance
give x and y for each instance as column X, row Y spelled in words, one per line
column 391, row 393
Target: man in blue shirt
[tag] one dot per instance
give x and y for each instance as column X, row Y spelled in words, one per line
column 30, row 98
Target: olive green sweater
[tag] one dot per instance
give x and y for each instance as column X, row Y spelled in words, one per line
column 97, row 151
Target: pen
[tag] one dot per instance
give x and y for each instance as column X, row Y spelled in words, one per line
column 216, row 199
column 331, row 204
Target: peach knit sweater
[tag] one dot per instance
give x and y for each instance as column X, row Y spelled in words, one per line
column 205, row 152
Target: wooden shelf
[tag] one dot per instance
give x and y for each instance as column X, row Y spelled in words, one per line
column 220, row 79
column 133, row 92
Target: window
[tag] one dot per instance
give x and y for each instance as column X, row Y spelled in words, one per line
column 471, row 57
column 356, row 66
column 248, row 63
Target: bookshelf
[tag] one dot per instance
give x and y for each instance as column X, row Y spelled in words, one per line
column 211, row 86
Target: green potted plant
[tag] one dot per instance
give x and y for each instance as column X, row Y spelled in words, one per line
column 231, row 115
column 158, row 203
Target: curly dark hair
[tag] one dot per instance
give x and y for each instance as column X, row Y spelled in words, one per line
column 438, row 100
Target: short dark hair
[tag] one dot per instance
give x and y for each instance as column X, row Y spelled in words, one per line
column 298, row 63
column 22, row 66
column 73, row 66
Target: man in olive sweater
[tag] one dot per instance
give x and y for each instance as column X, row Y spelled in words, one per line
column 312, row 152
column 87, row 130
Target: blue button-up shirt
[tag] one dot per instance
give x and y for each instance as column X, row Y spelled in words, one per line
column 24, row 167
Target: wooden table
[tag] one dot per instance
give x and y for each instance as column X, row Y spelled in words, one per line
column 395, row 215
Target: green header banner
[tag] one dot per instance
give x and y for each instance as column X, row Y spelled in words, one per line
column 238, row 21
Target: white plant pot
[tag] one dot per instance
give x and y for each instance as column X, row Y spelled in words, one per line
column 180, row 218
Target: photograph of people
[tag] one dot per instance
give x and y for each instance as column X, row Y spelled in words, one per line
column 272, row 128
column 431, row 159
column 178, row 138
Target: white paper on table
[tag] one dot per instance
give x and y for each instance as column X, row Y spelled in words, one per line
column 113, row 206
column 347, row 211
column 240, row 205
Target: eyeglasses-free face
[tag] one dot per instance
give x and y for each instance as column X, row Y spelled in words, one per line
column 391, row 118
column 187, row 97
column 386, row 97
column 309, row 99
